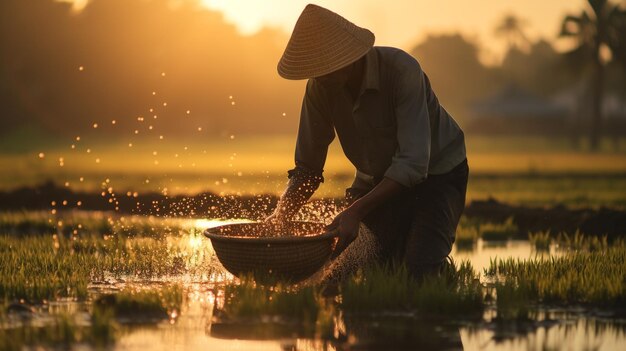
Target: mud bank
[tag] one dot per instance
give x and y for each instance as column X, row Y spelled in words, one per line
column 49, row 196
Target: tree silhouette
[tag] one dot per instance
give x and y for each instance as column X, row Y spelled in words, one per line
column 596, row 31
column 512, row 29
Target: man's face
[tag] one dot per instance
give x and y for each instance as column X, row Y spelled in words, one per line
column 337, row 78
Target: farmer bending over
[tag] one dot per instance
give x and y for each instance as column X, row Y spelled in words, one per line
column 409, row 153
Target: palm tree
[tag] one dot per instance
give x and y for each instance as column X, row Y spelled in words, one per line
column 596, row 32
column 511, row 28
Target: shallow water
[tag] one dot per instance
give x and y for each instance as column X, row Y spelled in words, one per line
column 195, row 328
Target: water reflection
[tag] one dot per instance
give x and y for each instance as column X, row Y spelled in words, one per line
column 197, row 328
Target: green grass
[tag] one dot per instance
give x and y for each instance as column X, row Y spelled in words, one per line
column 377, row 288
column 540, row 240
column 246, row 299
column 143, row 303
column 48, row 267
column 525, row 170
column 498, row 231
column 466, row 237
column 580, row 242
column 62, row 332
column 594, row 275
column 74, row 222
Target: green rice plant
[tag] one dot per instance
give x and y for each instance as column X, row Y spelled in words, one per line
column 38, row 268
column 249, row 300
column 142, row 303
column 498, row 231
column 512, row 301
column 540, row 240
column 466, row 238
column 62, row 332
column 380, row 288
column 580, row 242
column 593, row 277
column 26, row 223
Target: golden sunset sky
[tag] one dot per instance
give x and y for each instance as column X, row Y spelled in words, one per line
column 402, row 23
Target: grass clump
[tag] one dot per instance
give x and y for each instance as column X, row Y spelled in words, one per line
column 466, row 238
column 498, row 231
column 38, row 268
column 381, row 288
column 62, row 332
column 246, row 299
column 142, row 304
column 593, row 276
column 580, row 242
column 540, row 240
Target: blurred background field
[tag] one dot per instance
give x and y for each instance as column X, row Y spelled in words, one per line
column 531, row 170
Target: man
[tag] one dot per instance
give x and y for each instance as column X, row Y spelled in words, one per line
column 409, row 153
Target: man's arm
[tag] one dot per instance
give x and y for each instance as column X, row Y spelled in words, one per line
column 315, row 133
column 299, row 190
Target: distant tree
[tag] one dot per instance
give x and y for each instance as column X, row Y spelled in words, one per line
column 512, row 29
column 456, row 73
column 538, row 69
column 596, row 31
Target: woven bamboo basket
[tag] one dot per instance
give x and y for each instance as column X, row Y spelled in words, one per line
column 292, row 254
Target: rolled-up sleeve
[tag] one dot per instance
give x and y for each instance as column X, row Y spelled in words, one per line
column 315, row 133
column 409, row 165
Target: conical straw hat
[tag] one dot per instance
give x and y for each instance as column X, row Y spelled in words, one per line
column 322, row 42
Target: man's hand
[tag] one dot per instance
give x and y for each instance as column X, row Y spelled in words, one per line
column 346, row 225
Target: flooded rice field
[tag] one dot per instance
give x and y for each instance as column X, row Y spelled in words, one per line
column 141, row 283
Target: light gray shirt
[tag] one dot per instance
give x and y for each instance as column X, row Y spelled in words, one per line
column 395, row 128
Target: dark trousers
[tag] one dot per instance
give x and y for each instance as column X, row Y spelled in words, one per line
column 418, row 226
